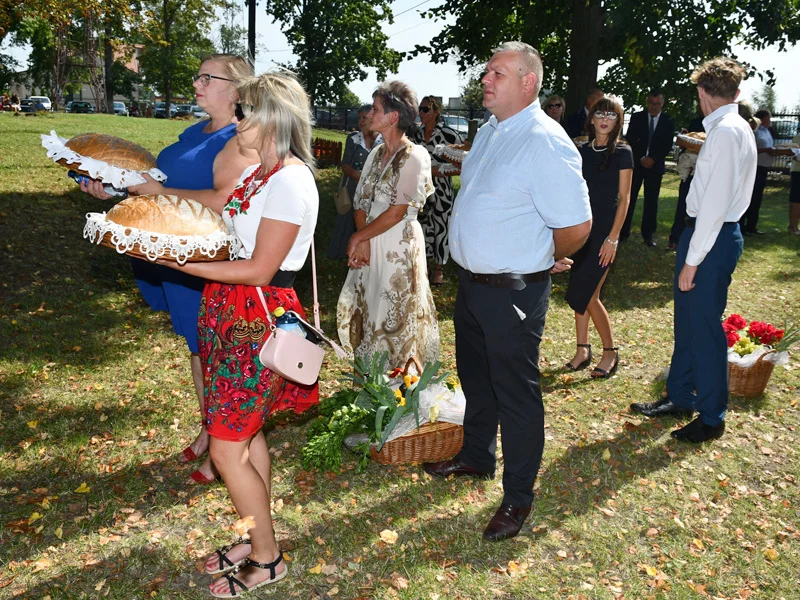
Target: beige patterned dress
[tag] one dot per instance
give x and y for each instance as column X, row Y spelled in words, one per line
column 388, row 305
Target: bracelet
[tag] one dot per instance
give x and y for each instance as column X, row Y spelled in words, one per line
column 608, row 241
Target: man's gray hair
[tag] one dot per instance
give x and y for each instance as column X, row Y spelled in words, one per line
column 530, row 57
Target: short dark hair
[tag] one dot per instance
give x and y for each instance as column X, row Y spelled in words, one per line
column 761, row 113
column 655, row 92
column 398, row 97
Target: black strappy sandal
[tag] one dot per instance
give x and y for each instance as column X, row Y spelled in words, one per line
column 582, row 365
column 273, row 577
column 598, row 373
column 225, row 563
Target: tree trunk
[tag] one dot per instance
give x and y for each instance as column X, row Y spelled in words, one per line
column 109, row 64
column 588, row 20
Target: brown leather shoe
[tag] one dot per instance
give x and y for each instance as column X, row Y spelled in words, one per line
column 455, row 467
column 506, row 522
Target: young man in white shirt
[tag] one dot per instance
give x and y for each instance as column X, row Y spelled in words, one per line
column 708, row 251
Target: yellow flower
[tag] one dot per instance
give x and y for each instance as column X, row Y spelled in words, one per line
column 407, row 380
column 398, row 395
column 402, row 402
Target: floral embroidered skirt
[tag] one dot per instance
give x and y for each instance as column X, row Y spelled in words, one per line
column 240, row 393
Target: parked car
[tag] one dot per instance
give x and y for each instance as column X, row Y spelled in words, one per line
column 77, row 106
column 68, row 105
column 44, row 101
column 26, row 106
column 198, row 113
column 183, row 110
column 120, row 109
column 459, row 124
column 161, row 110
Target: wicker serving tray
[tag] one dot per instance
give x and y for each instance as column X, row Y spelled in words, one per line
column 689, row 143
column 751, row 381
column 197, row 256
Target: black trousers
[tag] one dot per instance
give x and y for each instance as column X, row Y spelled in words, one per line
column 497, row 355
column 749, row 219
column 679, row 221
column 651, row 179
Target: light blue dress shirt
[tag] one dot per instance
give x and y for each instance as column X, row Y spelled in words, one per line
column 521, row 179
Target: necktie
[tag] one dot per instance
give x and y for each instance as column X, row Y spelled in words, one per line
column 650, row 134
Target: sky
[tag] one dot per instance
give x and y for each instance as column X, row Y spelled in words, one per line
column 444, row 80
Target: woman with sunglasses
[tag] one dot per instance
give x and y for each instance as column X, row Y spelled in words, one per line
column 555, row 108
column 273, row 210
column 435, row 217
column 608, row 171
column 204, row 165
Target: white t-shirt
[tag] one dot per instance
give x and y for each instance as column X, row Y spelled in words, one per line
column 290, row 195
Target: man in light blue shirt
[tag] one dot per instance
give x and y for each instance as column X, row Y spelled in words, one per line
column 523, row 206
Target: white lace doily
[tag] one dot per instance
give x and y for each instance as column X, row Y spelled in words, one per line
column 158, row 245
column 448, row 169
column 686, row 164
column 449, row 153
column 97, row 169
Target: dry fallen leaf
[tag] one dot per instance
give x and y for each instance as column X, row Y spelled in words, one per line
column 389, row 536
column 606, row 454
column 771, row 554
column 83, row 489
column 316, row 570
column 242, row 526
column 650, row 570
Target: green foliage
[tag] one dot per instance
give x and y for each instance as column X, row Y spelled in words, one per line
column 472, row 94
column 124, row 81
column 339, row 417
column 765, row 98
column 348, row 99
column 652, row 44
column 176, row 39
column 232, row 36
column 335, row 42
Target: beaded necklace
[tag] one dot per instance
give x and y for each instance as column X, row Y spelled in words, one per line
column 239, row 200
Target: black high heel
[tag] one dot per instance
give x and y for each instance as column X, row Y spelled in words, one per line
column 583, row 364
column 598, row 373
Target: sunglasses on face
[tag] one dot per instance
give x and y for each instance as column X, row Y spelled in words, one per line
column 424, row 109
column 205, row 78
column 238, row 112
column 610, row 115
column 556, row 105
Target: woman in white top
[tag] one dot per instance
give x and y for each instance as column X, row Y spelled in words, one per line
column 273, row 210
column 765, row 146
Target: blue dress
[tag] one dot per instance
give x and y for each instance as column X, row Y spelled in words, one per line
column 188, row 165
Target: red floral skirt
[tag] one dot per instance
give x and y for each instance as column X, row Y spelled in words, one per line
column 240, row 393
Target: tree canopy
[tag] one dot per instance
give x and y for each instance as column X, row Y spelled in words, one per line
column 335, row 41
column 652, row 44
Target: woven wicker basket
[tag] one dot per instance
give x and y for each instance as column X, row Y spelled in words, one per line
column 751, row 381
column 432, row 442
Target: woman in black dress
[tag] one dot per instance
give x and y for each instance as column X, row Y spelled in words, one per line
column 608, row 170
column 435, row 217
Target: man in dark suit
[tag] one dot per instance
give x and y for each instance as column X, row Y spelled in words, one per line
column 650, row 135
column 576, row 122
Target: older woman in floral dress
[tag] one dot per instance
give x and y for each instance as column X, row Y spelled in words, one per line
column 386, row 302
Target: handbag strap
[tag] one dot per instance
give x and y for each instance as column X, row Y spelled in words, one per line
column 316, row 327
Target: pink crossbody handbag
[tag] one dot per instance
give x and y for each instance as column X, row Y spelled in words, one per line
column 292, row 356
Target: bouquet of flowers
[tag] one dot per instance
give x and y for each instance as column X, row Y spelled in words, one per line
column 754, row 349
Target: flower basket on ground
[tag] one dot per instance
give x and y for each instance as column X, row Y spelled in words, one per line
column 754, row 350
column 395, row 417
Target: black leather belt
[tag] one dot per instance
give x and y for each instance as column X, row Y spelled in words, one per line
column 514, row 281
column 690, row 221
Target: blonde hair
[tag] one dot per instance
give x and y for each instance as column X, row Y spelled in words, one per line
column 278, row 106
column 719, row 77
column 236, row 68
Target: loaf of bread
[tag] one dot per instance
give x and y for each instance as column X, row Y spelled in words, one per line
column 692, row 141
column 169, row 215
column 112, row 150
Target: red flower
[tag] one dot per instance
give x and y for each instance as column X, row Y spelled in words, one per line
column 728, row 328
column 732, row 338
column 736, row 321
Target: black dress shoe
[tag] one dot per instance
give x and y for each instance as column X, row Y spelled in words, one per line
column 757, row 232
column 697, row 432
column 456, row 468
column 650, row 242
column 660, row 408
column 506, row 522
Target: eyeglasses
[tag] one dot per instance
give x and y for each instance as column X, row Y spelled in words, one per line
column 238, row 112
column 424, row 109
column 205, row 78
column 610, row 115
column 556, row 105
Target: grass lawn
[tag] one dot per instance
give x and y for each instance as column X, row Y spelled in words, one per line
column 96, row 401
